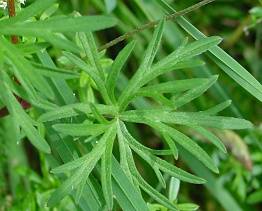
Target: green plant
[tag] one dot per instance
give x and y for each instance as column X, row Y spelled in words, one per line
column 78, row 125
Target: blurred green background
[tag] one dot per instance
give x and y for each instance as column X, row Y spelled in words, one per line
column 25, row 182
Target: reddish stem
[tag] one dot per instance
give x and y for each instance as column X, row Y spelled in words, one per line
column 14, row 39
column 12, row 13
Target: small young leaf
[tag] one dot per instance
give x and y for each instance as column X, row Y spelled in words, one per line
column 174, row 186
column 187, row 207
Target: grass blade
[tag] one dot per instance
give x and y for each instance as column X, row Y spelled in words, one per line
column 230, row 65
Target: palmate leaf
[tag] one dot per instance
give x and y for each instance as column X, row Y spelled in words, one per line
column 124, row 187
column 228, row 64
column 123, row 153
column 126, row 195
column 152, row 48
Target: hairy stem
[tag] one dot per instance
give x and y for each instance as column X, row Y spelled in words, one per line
column 152, row 24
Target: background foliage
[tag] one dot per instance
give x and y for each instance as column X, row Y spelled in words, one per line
column 154, row 101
